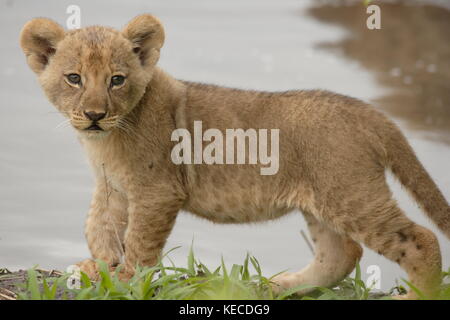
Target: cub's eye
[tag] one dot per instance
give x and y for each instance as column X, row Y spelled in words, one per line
column 74, row 78
column 117, row 80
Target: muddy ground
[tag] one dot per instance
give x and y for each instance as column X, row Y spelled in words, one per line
column 12, row 283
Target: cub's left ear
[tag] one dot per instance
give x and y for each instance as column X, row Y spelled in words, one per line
column 38, row 40
column 147, row 36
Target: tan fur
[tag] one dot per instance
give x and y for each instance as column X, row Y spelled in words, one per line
column 333, row 154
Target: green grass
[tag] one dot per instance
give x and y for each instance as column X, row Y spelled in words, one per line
column 193, row 282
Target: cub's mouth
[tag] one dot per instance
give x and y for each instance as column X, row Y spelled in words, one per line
column 95, row 131
column 94, row 127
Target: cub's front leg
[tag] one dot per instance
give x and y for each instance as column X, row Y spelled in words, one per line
column 152, row 213
column 105, row 228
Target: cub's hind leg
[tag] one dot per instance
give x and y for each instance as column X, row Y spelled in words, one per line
column 389, row 232
column 335, row 257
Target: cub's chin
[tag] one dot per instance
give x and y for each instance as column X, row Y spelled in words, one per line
column 93, row 134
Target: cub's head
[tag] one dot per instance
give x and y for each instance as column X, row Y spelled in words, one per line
column 95, row 75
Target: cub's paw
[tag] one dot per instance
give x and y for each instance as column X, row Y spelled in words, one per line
column 90, row 268
column 283, row 282
column 125, row 274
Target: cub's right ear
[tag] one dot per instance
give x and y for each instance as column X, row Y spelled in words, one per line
column 38, row 40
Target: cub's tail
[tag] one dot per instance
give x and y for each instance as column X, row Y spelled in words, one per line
column 403, row 162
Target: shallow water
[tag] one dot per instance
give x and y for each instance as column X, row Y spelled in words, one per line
column 45, row 181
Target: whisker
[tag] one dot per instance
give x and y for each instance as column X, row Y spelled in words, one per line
column 124, row 130
column 131, row 131
column 125, row 127
column 59, row 112
column 62, row 124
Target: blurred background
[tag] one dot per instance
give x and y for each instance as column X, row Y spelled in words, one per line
column 403, row 69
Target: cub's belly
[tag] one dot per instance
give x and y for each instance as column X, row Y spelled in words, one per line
column 236, row 207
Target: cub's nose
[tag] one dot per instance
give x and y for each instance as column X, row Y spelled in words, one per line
column 94, row 116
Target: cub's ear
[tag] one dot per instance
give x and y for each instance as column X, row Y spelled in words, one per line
column 38, row 40
column 146, row 33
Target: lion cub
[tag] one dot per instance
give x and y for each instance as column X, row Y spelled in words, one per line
column 333, row 153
